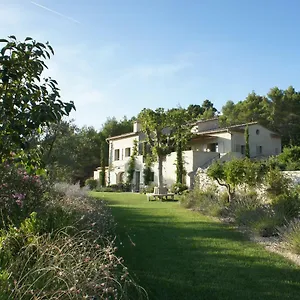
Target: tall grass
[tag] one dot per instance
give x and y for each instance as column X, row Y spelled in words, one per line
column 66, row 251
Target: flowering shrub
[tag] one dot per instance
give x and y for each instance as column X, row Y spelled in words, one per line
column 70, row 205
column 66, row 251
column 20, row 193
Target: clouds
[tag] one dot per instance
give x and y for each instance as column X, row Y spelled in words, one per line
column 150, row 71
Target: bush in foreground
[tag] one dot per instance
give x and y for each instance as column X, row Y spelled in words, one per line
column 66, row 251
column 290, row 234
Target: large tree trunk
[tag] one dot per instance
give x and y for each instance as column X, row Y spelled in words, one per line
column 160, row 174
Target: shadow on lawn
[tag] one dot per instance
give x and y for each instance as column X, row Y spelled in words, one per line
column 199, row 260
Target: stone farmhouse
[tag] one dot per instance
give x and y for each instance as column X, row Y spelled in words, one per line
column 210, row 142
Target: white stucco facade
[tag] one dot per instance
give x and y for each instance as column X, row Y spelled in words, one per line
column 209, row 143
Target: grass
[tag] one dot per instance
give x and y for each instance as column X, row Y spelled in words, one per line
column 179, row 254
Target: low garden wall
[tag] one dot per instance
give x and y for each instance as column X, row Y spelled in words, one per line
column 203, row 181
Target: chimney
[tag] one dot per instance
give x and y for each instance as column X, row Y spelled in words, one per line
column 136, row 126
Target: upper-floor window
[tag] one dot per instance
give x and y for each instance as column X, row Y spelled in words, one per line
column 117, row 154
column 127, row 152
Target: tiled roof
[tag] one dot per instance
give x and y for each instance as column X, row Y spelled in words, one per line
column 124, row 135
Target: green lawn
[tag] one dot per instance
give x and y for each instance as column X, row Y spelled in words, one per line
column 178, row 254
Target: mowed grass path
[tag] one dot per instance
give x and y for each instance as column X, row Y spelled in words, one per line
column 179, row 254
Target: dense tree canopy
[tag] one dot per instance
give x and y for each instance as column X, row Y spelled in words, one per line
column 279, row 110
column 28, row 102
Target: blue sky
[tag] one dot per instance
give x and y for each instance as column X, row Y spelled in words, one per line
column 115, row 57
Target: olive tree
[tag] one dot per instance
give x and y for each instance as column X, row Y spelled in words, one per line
column 155, row 124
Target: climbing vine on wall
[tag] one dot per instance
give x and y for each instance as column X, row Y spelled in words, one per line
column 131, row 164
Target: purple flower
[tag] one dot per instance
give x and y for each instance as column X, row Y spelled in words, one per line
column 19, row 196
column 19, row 203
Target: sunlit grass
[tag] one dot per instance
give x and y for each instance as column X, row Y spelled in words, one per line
column 179, row 254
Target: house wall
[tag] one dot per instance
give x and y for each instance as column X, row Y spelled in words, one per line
column 223, row 139
column 118, row 166
column 263, row 138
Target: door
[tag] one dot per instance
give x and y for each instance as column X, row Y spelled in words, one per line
column 137, row 180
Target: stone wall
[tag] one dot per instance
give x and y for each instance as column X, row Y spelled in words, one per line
column 204, row 182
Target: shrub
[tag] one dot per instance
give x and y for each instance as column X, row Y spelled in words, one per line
column 148, row 189
column 206, row 201
column 20, row 193
column 290, row 234
column 63, row 267
column 66, row 252
column 276, row 183
column 245, row 208
column 267, row 225
column 121, row 187
column 91, row 183
column 178, row 188
column 104, row 189
column 287, row 204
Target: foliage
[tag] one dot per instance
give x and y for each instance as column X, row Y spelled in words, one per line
column 67, row 250
column 73, row 153
column 290, row 234
column 205, row 201
column 204, row 111
column 289, row 159
column 155, row 125
column 131, row 164
column 181, row 132
column 27, row 102
column 148, row 189
column 278, row 111
column 147, row 173
column 178, row 188
column 247, row 147
column 102, row 174
column 287, row 204
column 147, row 170
column 276, row 182
column 91, row 183
column 64, row 266
column 267, row 225
column 236, row 172
column 120, row 187
column 20, row 193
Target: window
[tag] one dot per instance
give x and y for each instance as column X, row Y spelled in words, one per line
column 117, row 154
column 243, row 149
column 258, row 150
column 257, row 131
column 151, row 176
column 127, row 152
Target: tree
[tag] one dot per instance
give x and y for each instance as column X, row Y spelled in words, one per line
column 236, row 172
column 181, row 132
column 73, row 152
column 247, row 150
column 155, row 125
column 28, row 103
column 102, row 177
column 289, row 159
